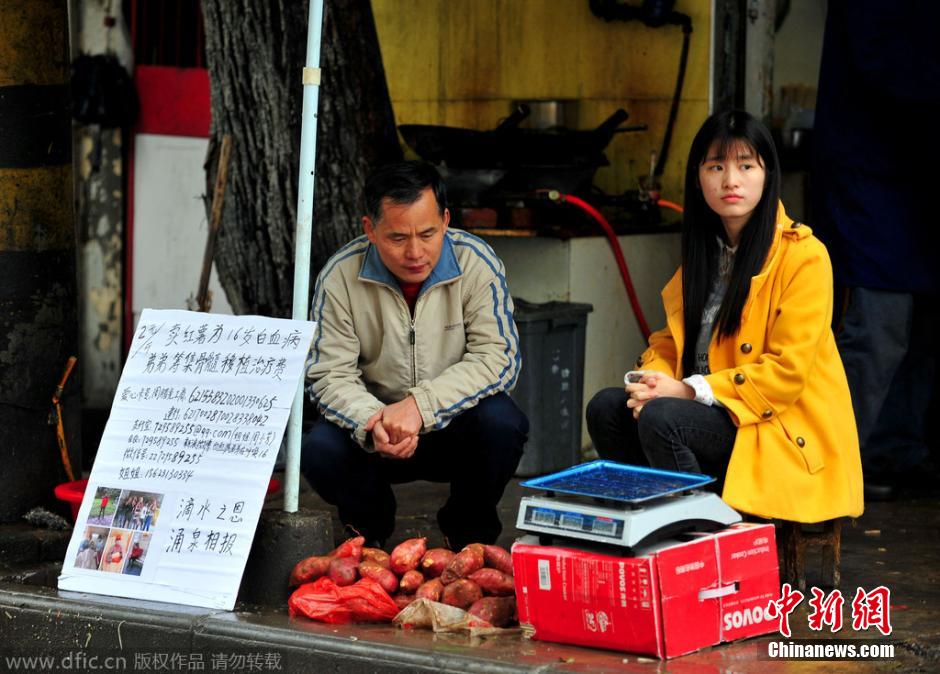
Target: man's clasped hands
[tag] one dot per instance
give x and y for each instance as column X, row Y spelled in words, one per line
column 395, row 429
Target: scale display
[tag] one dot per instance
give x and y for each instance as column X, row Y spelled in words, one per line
column 573, row 523
column 618, row 482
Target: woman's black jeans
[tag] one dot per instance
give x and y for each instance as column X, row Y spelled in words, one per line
column 671, row 433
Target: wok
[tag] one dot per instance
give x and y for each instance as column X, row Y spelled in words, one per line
column 480, row 187
column 566, row 178
column 470, row 187
column 508, row 146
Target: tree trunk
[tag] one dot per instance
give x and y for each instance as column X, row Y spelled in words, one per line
column 255, row 51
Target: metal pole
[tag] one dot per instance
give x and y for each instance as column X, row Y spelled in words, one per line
column 759, row 58
column 308, row 161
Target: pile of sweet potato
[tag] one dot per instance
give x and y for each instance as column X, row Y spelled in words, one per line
column 477, row 579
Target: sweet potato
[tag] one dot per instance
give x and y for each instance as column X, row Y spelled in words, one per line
column 496, row 557
column 494, row 582
column 343, row 571
column 371, row 569
column 309, row 569
column 351, row 547
column 476, row 547
column 497, row 611
column 431, row 589
column 376, row 555
column 403, row 600
column 461, row 593
column 411, row 581
column 434, row 561
column 406, row 556
column 462, row 565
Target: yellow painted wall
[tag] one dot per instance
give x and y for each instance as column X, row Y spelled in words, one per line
column 461, row 63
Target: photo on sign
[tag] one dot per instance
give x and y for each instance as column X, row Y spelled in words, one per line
column 137, row 553
column 115, row 551
column 91, row 548
column 104, row 506
column 138, row 510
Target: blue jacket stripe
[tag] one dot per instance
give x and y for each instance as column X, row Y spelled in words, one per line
column 332, row 262
column 458, row 407
column 505, row 288
column 338, row 415
column 318, row 311
column 499, row 324
column 512, row 330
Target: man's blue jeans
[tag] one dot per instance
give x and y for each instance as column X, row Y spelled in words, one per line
column 477, row 453
column 671, row 433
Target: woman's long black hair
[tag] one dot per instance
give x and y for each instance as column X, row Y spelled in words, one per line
column 701, row 225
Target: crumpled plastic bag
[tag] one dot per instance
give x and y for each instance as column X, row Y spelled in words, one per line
column 323, row 600
column 424, row 613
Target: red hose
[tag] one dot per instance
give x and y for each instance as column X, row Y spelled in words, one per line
column 670, row 204
column 618, row 254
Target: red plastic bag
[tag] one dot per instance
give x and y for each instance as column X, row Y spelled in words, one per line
column 361, row 602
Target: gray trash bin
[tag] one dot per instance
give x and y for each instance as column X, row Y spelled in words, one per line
column 551, row 386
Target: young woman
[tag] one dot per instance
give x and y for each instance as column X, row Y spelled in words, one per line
column 744, row 382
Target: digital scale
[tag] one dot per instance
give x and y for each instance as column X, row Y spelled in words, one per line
column 621, row 505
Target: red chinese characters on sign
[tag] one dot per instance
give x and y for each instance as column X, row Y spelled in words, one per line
column 827, row 610
column 869, row 609
column 783, row 607
column 872, row 609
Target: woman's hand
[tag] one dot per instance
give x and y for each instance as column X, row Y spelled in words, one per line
column 656, row 385
column 639, row 394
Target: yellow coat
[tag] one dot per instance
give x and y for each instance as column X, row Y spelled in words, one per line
column 796, row 454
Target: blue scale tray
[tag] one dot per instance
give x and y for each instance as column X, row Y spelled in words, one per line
column 618, row 481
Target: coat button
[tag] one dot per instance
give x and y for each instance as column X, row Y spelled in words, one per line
column 746, row 348
column 800, row 441
column 795, row 225
column 639, row 362
column 739, row 378
column 766, row 414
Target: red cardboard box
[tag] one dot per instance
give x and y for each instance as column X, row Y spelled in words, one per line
column 676, row 598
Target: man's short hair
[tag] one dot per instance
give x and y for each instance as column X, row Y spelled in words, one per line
column 402, row 183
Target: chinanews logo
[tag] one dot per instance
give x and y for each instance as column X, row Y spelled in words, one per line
column 745, row 617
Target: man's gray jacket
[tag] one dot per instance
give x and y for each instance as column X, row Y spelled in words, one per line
column 461, row 345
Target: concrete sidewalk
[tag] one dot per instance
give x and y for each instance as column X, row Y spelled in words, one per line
column 46, row 622
column 893, row 544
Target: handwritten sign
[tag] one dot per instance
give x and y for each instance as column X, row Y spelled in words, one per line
column 180, row 476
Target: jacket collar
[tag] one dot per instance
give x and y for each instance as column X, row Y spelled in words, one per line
column 786, row 229
column 446, row 269
column 672, row 293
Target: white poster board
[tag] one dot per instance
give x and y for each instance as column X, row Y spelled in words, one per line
column 179, row 480
column 169, row 215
